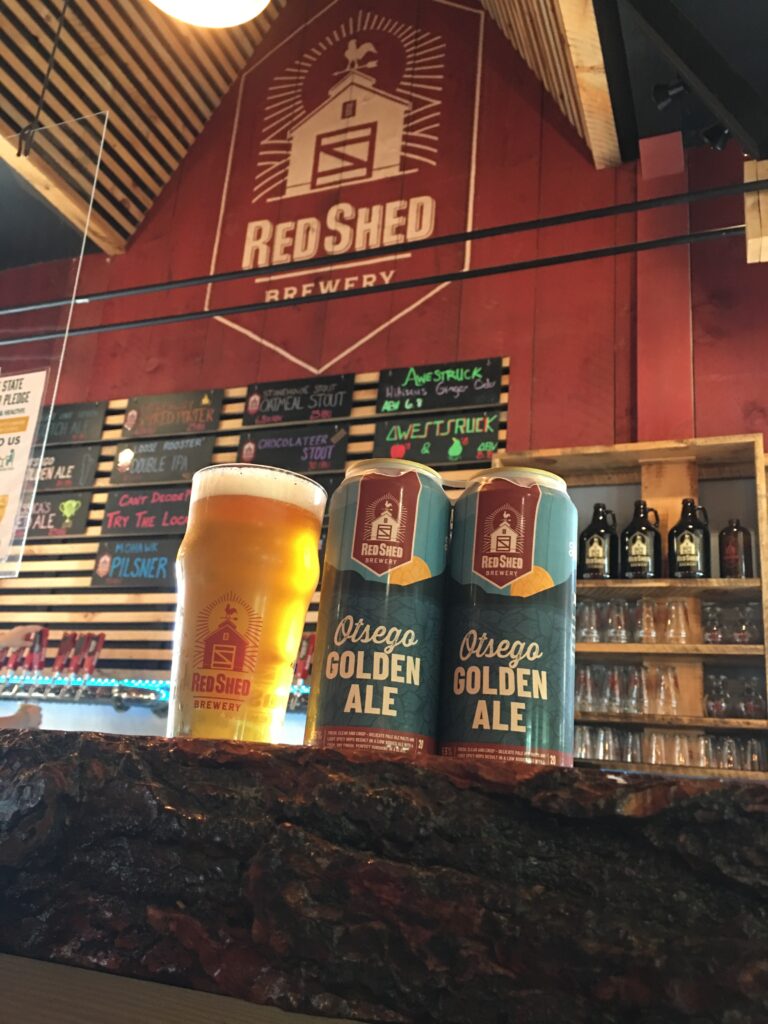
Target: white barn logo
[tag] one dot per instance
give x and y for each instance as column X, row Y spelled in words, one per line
column 337, row 146
column 360, row 131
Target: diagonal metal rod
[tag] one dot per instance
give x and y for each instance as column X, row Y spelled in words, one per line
column 541, row 223
column 418, row 282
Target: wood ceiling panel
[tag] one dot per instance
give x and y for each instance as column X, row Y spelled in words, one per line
column 159, row 80
column 559, row 41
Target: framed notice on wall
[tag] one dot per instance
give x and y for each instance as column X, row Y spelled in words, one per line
column 21, row 398
column 83, row 421
column 183, row 412
column 161, row 461
column 150, row 510
column 291, row 401
column 66, row 468
column 474, row 382
column 308, row 449
column 140, row 564
column 439, row 440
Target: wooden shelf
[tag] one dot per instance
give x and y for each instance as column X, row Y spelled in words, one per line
column 622, row 652
column 674, row 721
column 716, row 457
column 671, row 770
column 706, row 590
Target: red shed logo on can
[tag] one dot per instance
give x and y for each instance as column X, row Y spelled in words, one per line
column 385, row 521
column 505, row 531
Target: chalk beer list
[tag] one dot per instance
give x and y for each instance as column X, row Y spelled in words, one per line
column 161, row 461
column 82, row 421
column 473, row 382
column 66, row 467
column 183, row 412
column 291, row 401
column 151, row 511
column 440, row 440
column 308, row 449
column 60, row 515
column 136, row 564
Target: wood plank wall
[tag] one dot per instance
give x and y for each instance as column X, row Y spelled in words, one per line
column 54, row 587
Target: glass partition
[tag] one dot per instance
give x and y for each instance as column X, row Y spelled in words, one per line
column 36, row 308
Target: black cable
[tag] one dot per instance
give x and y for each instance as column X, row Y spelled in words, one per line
column 27, row 134
column 464, row 236
column 435, row 279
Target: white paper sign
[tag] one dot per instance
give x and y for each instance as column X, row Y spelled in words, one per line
column 21, row 396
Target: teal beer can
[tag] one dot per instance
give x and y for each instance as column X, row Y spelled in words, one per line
column 376, row 667
column 508, row 678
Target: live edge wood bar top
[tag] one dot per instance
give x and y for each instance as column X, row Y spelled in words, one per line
column 383, row 891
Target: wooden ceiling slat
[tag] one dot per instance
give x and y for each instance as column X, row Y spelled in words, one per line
column 559, row 41
column 172, row 67
column 213, row 54
column 506, row 18
column 552, row 47
column 61, row 112
column 37, row 173
column 125, row 58
column 184, row 39
column 159, row 81
column 64, row 166
column 99, row 88
column 582, row 40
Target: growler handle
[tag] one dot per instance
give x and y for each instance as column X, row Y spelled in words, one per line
column 704, row 516
column 610, row 517
column 655, row 520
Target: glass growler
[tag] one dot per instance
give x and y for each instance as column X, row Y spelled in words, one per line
column 689, row 545
column 735, row 551
column 599, row 546
column 641, row 545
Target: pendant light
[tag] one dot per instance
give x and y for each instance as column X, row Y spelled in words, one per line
column 212, row 13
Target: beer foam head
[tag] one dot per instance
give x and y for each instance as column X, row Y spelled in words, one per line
column 260, row 482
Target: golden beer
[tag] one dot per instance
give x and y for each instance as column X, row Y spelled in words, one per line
column 246, row 569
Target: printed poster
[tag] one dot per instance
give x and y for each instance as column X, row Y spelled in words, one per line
column 21, row 398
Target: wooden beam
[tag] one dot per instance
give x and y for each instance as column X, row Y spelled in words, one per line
column 579, row 28
column 63, row 198
column 559, row 41
column 756, row 213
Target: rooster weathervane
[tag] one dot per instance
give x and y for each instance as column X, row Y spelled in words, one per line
column 355, row 54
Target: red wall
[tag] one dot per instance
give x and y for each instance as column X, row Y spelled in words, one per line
column 569, row 331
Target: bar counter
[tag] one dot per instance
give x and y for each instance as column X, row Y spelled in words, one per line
column 380, row 890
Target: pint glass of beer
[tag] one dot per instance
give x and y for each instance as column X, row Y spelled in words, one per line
column 246, row 569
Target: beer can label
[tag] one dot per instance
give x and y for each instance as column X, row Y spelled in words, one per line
column 508, row 680
column 379, row 631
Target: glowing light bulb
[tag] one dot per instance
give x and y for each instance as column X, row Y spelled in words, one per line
column 212, row 13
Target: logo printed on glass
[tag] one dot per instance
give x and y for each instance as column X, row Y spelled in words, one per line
column 228, row 634
column 385, row 521
column 505, row 531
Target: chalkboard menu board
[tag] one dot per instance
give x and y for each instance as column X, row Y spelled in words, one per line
column 476, row 382
column 439, row 440
column 81, row 422
column 184, row 412
column 151, row 510
column 60, row 515
column 317, row 446
column 161, row 461
column 66, row 468
column 136, row 564
column 290, row 401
